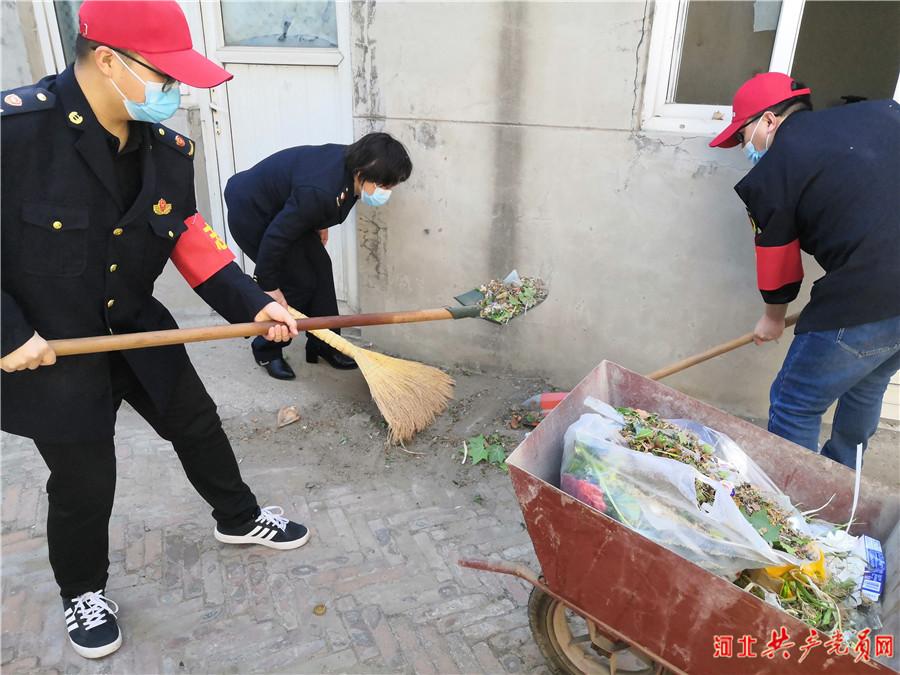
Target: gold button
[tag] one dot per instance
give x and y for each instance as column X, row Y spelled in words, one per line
column 171, row 234
column 110, row 303
column 41, row 96
column 113, row 267
column 118, row 231
column 162, row 132
column 57, row 225
column 75, row 117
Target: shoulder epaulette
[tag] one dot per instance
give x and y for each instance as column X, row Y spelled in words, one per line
column 172, row 138
column 25, row 99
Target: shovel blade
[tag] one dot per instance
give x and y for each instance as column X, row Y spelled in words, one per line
column 475, row 297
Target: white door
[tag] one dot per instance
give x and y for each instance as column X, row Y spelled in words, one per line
column 291, row 86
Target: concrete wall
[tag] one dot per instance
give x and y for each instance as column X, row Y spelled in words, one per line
column 520, row 120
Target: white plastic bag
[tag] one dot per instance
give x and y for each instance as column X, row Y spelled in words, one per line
column 657, row 496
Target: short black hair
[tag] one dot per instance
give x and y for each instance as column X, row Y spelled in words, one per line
column 379, row 158
column 803, row 102
column 83, row 47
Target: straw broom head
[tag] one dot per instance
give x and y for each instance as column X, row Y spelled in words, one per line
column 409, row 394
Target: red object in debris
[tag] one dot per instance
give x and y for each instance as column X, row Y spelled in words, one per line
column 583, row 491
column 545, row 402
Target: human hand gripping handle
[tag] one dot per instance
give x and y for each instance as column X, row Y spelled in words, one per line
column 771, row 324
column 275, row 311
column 31, row 355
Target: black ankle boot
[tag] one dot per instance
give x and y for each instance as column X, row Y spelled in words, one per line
column 334, row 358
column 279, row 369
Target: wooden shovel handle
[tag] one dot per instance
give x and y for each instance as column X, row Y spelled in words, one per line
column 723, row 348
column 161, row 338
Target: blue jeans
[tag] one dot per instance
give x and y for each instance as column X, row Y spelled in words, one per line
column 851, row 366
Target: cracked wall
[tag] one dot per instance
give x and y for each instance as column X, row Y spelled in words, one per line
column 520, row 119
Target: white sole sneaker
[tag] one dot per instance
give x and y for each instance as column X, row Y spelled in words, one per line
column 247, row 539
column 97, row 652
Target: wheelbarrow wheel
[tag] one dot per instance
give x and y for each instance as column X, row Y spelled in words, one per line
column 572, row 644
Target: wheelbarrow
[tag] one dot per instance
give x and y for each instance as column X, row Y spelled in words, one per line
column 609, row 600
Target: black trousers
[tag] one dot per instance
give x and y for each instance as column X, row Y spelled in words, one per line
column 307, row 281
column 83, row 476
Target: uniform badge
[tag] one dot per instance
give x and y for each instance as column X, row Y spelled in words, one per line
column 191, row 151
column 179, row 141
column 162, row 208
column 754, row 226
column 12, row 99
column 75, row 117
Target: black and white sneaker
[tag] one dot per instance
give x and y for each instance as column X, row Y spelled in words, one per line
column 270, row 528
column 91, row 621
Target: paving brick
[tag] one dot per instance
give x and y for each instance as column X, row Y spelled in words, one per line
column 409, row 642
column 462, row 654
column 437, row 648
column 10, row 504
column 384, row 639
column 385, row 540
column 486, row 659
column 213, row 585
column 366, row 542
column 26, row 513
column 454, row 605
column 457, row 621
column 491, row 626
column 435, row 560
column 134, row 550
column 283, row 601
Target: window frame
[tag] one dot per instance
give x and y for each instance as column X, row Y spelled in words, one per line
column 666, row 42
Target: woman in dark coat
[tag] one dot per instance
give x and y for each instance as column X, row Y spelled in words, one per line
column 279, row 212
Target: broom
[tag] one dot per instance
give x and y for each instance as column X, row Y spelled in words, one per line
column 408, row 394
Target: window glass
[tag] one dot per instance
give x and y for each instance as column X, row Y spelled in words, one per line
column 311, row 23
column 725, row 43
column 848, row 51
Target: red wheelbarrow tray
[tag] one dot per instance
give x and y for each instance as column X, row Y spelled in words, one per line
column 638, row 591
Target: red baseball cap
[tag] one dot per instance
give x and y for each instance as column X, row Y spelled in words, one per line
column 755, row 95
column 156, row 30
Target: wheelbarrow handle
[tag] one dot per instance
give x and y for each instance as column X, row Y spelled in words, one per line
column 162, row 338
column 718, row 350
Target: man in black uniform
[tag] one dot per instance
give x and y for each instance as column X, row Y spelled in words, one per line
column 279, row 212
column 97, row 196
column 824, row 183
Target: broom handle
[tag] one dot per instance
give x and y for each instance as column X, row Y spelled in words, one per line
column 723, row 348
column 161, row 338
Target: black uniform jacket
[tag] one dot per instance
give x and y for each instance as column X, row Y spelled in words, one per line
column 76, row 261
column 829, row 186
column 285, row 196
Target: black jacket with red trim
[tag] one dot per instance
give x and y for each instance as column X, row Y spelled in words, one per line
column 77, row 262
column 830, row 186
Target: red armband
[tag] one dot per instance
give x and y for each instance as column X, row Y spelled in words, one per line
column 200, row 252
column 778, row 266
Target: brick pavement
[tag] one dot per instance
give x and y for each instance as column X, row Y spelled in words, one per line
column 387, row 530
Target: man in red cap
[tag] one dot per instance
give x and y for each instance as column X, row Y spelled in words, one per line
column 97, row 196
column 824, row 183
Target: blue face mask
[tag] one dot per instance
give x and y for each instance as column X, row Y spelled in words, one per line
column 378, row 198
column 158, row 105
column 750, row 150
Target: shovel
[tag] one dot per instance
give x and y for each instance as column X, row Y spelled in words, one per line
column 470, row 307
